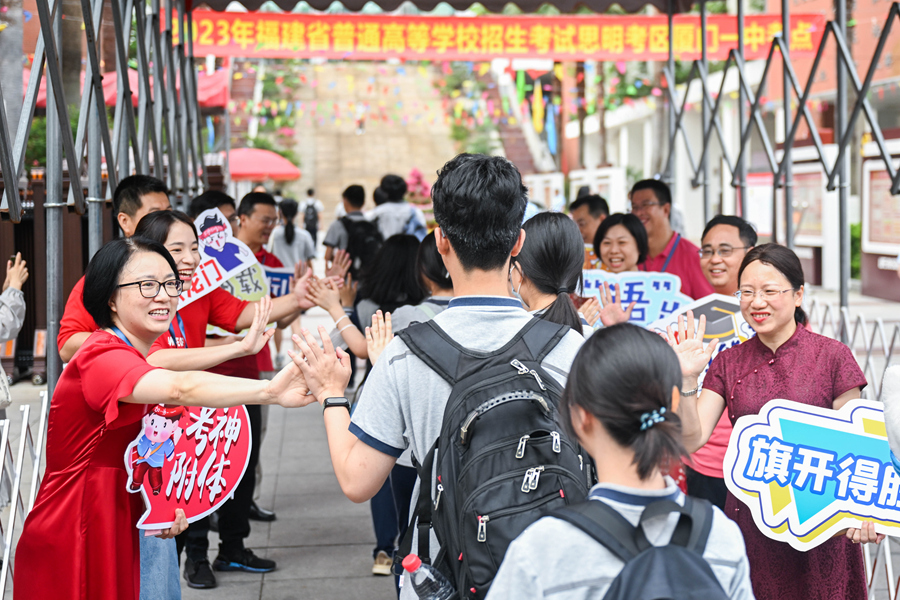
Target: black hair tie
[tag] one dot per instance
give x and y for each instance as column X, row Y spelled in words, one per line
column 562, row 290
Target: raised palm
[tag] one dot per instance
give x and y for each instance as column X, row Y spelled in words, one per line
column 688, row 345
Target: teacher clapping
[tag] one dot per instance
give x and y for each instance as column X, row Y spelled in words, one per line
column 80, row 541
column 784, row 360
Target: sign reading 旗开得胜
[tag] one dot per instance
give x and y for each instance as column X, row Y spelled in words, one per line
column 807, row 473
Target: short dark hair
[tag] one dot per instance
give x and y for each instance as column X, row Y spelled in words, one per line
column 129, row 193
column 210, row 199
column 379, row 196
column 249, row 202
column 551, row 259
column 745, row 229
column 659, row 189
column 392, row 279
column 394, row 186
column 101, row 280
column 634, row 227
column 479, row 203
column 431, row 265
column 310, row 192
column 156, row 225
column 786, row 262
column 597, row 206
column 355, row 195
column 623, row 375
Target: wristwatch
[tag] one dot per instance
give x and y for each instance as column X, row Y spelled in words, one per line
column 329, row 402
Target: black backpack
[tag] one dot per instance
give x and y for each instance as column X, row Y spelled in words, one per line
column 363, row 242
column 502, row 459
column 675, row 571
column 311, row 217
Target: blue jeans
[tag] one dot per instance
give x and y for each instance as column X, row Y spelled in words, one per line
column 159, row 569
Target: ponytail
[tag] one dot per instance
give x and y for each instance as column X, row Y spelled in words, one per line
column 551, row 259
column 624, row 376
column 289, row 210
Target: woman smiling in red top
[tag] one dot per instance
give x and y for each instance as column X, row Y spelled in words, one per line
column 80, row 540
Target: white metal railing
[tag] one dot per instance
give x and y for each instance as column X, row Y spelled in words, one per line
column 12, row 472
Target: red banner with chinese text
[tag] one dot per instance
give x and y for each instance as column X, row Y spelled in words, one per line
column 379, row 37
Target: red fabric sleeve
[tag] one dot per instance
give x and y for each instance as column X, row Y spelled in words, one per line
column 715, row 376
column 847, row 374
column 109, row 371
column 75, row 317
column 225, row 310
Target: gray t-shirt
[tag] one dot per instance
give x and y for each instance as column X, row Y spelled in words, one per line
column 301, row 250
column 554, row 559
column 337, row 236
column 402, row 403
column 392, row 217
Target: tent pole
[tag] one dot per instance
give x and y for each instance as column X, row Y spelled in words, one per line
column 840, row 122
column 786, row 156
column 741, row 166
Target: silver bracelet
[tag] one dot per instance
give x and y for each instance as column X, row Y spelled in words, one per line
column 341, row 330
column 692, row 392
column 341, row 319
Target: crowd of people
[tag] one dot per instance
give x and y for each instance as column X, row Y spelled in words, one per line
column 501, row 426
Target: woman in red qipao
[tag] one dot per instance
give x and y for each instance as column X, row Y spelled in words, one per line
column 784, row 360
column 81, row 541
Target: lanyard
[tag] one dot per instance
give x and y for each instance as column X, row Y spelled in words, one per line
column 121, row 335
column 181, row 327
column 672, row 253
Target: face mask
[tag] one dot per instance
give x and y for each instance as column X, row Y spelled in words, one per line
column 515, row 292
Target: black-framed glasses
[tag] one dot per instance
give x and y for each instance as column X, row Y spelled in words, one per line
column 150, row 287
column 723, row 251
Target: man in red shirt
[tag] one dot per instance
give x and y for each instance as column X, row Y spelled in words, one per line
column 135, row 197
column 725, row 242
column 651, row 202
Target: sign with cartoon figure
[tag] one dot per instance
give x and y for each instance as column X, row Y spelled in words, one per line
column 190, row 458
column 723, row 321
column 655, row 295
column 807, row 473
column 221, row 256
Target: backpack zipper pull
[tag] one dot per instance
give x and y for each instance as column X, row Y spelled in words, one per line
column 518, row 366
column 535, row 477
column 520, row 451
column 437, row 499
column 526, row 482
column 557, row 446
column 538, row 379
column 581, row 462
column 482, row 528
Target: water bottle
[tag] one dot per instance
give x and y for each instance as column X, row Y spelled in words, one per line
column 428, row 582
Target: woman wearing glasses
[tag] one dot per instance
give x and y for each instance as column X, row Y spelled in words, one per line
column 784, row 360
column 80, row 540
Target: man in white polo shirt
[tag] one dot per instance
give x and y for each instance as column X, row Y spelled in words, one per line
column 479, row 202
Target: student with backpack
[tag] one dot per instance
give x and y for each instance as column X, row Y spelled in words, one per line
column 638, row 535
column 479, row 383
column 312, row 208
column 353, row 232
column 393, row 214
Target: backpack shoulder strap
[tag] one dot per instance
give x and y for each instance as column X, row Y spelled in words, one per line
column 426, row 308
column 692, row 530
column 603, row 523
column 542, row 336
column 434, row 347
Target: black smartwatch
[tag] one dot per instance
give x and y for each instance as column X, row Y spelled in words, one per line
column 329, row 402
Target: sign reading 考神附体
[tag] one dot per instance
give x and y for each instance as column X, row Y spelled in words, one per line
column 413, row 37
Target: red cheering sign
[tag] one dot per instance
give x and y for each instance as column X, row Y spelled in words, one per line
column 380, row 37
column 190, row 458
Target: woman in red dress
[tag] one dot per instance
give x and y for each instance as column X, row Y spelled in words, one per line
column 80, row 541
column 784, row 360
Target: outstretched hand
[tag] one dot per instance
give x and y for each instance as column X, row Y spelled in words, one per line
column 16, row 273
column 326, row 370
column 340, row 264
column 379, row 335
column 612, row 312
column 257, row 337
column 300, row 285
column 324, row 293
column 288, row 388
column 590, row 310
column 688, row 345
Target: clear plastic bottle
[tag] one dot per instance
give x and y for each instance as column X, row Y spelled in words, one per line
column 428, row 582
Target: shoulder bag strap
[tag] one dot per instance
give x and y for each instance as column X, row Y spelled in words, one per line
column 603, row 523
column 436, row 350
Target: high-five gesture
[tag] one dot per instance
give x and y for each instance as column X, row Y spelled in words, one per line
column 379, row 335
column 688, row 346
column 288, row 388
column 612, row 312
column 257, row 337
column 326, row 370
column 300, row 285
column 340, row 264
column 590, row 310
